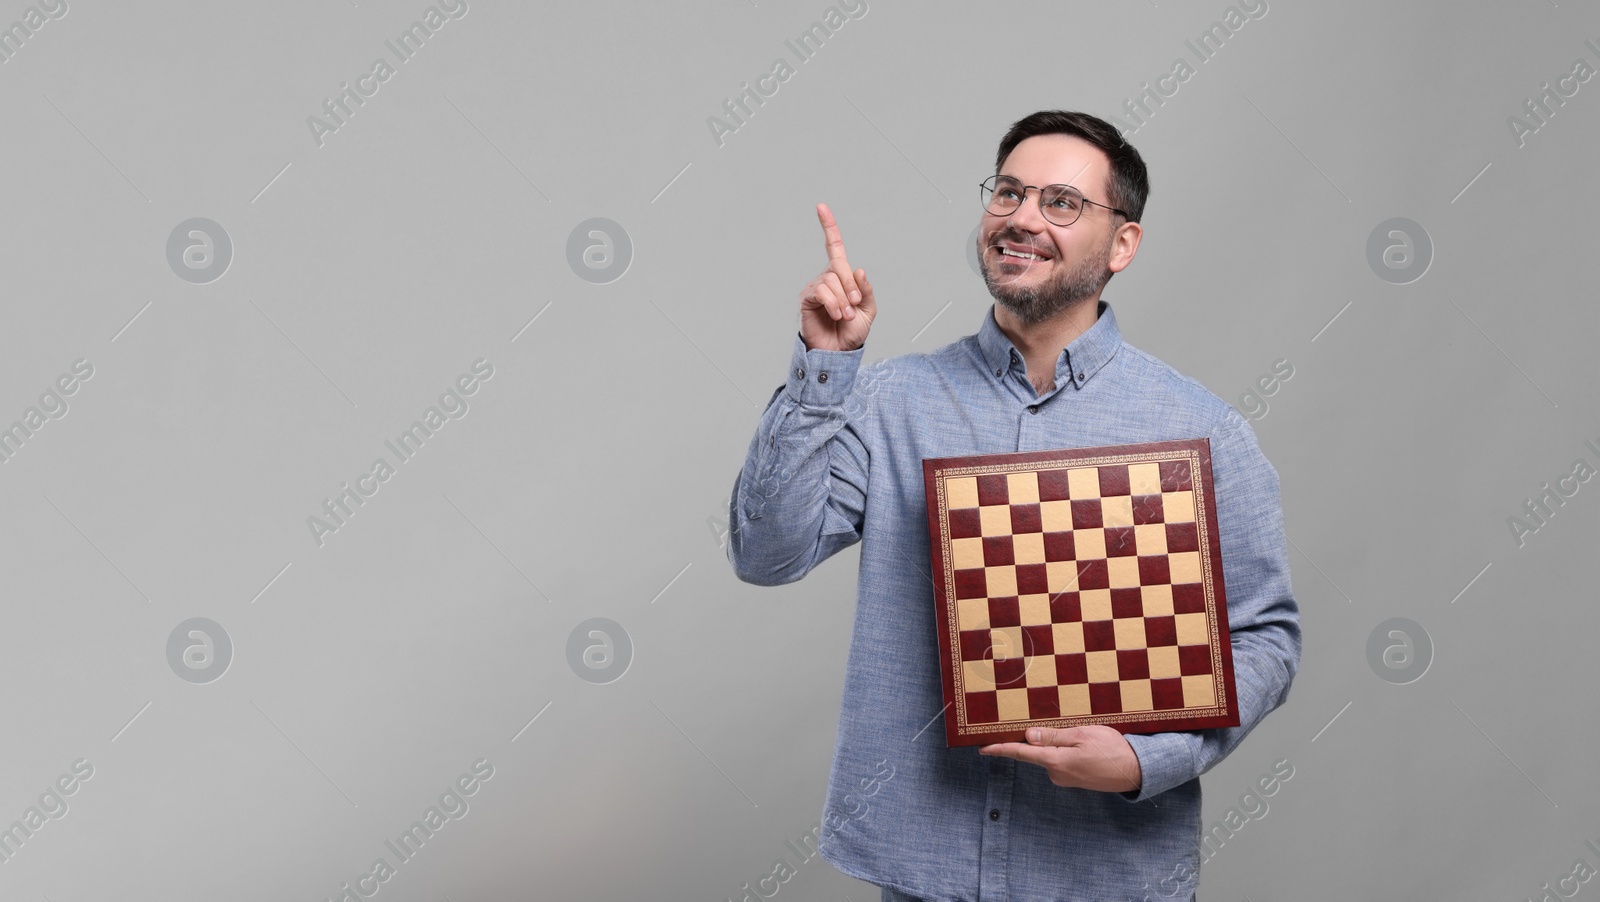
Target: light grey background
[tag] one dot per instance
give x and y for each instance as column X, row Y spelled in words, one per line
column 590, row 475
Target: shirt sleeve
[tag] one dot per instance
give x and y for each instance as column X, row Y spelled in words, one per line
column 801, row 494
column 1263, row 617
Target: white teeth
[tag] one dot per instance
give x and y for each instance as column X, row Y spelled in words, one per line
column 1011, row 253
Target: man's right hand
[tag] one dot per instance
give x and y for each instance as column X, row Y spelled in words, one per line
column 836, row 308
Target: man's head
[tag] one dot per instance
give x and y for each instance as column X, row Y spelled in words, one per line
column 1074, row 262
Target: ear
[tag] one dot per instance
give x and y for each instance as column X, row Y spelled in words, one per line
column 1124, row 244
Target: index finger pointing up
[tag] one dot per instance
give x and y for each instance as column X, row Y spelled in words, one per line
column 830, row 234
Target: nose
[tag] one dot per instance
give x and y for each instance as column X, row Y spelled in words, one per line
column 1027, row 216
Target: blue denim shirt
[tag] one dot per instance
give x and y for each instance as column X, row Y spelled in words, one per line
column 837, row 459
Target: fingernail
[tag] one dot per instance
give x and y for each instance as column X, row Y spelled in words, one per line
column 1033, row 735
column 855, row 296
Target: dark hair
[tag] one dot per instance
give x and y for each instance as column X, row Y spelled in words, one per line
column 1129, row 182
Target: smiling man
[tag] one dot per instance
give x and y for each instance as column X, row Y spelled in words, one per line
column 1084, row 813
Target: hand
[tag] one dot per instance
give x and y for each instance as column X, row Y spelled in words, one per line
column 837, row 307
column 1093, row 757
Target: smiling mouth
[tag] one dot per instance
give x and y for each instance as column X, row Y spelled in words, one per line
column 1018, row 258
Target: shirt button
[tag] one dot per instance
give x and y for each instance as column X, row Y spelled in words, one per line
column 1080, row 377
column 1033, row 408
column 799, row 373
column 997, row 372
column 994, row 814
column 822, row 377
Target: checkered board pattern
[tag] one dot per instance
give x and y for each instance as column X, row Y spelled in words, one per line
column 1080, row 586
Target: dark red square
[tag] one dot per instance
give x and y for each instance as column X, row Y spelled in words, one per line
column 998, row 551
column 1147, row 509
column 1064, row 608
column 1133, row 664
column 965, row 523
column 1175, row 476
column 1072, row 669
column 1167, row 694
column 1032, row 579
column 983, row 706
column 1004, row 612
column 1183, row 537
column 975, row 645
column 1044, row 701
column 1127, row 603
column 1053, row 485
column 1119, row 541
column 1093, row 575
column 1105, row 698
column 1153, row 571
column 1038, row 640
column 1086, row 514
column 1058, row 546
column 1160, row 631
column 1113, row 480
column 1099, row 635
column 1025, row 519
column 971, row 584
column 992, row 490
column 1188, row 598
column 1194, row 659
column 1011, row 673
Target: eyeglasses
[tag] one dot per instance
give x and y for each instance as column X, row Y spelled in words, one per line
column 1060, row 204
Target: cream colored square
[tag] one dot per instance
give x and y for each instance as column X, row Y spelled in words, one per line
column 1164, row 662
column 1083, row 482
column 972, row 614
column 1022, row 488
column 1005, row 642
column 1123, row 572
column 1144, row 479
column 977, row 676
column 1089, row 544
column 1095, row 604
column 1102, row 666
column 1183, row 567
column 1013, row 704
column 961, row 491
column 1129, row 632
column 1177, row 507
column 1061, row 576
column 966, row 554
column 1116, row 510
column 1192, row 629
column 1035, row 609
column 1001, row 581
column 1150, row 539
column 1199, row 691
column 1074, row 699
column 995, row 520
column 1156, row 600
column 1056, row 515
column 1041, row 671
column 1067, row 638
column 1136, row 696
column 1028, row 548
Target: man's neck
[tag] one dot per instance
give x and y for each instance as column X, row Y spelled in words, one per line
column 1041, row 343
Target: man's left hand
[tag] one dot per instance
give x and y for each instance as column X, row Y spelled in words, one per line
column 1093, row 757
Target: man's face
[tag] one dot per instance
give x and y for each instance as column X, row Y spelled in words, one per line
column 1074, row 261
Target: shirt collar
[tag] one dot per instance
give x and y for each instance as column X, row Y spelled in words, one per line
column 1078, row 363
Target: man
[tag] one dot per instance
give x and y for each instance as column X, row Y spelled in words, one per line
column 1075, row 814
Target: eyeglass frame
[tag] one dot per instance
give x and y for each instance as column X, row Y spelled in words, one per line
column 984, row 187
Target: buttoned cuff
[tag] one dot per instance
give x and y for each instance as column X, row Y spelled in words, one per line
column 821, row 378
column 1166, row 760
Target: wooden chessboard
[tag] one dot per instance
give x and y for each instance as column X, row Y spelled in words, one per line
column 1079, row 586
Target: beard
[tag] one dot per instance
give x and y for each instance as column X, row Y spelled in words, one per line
column 1038, row 303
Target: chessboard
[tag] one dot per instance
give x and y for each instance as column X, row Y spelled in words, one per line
column 1079, row 586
